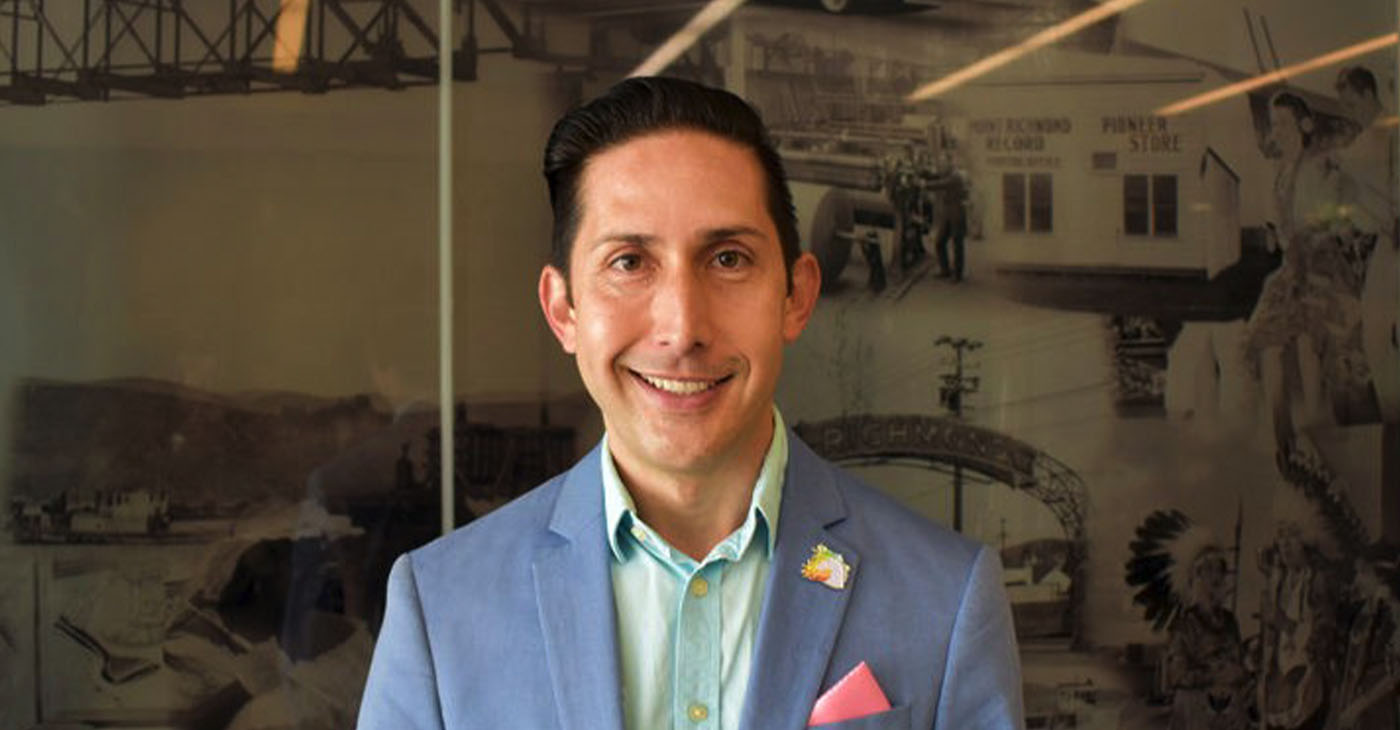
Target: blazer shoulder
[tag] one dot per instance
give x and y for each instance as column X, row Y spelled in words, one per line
column 511, row 530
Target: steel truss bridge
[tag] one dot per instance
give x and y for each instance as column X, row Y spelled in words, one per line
column 97, row 50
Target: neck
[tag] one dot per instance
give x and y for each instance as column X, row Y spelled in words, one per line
column 695, row 510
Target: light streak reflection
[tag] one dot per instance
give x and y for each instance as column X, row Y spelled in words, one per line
column 1254, row 82
column 291, row 32
column 681, row 41
column 1041, row 39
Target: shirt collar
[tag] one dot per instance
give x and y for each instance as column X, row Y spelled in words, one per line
column 621, row 512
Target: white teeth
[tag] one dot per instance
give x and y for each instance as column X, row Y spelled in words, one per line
column 680, row 387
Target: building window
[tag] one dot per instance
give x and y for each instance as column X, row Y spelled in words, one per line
column 1135, row 215
column 1164, row 205
column 1042, row 203
column 1149, row 205
column 1013, row 201
column 1027, row 202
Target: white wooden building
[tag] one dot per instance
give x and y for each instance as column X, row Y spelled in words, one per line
column 1071, row 170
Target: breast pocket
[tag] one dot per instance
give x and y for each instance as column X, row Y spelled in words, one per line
column 893, row 719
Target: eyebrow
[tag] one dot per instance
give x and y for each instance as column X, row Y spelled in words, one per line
column 727, row 232
column 636, row 239
column 714, row 235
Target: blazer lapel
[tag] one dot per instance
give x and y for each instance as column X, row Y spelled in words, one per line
column 801, row 618
column 573, row 583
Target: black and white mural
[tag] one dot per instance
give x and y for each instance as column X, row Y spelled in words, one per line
column 1148, row 354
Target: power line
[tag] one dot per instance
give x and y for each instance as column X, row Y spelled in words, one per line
column 956, row 385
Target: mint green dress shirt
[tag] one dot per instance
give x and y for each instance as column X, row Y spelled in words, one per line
column 686, row 630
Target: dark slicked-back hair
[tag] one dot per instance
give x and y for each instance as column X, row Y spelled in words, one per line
column 1358, row 79
column 640, row 106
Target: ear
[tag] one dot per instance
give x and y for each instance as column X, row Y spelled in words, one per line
column 558, row 307
column 806, row 286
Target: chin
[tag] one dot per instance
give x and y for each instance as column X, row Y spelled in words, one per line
column 680, row 452
column 685, row 456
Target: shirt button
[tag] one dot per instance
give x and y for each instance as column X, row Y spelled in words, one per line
column 697, row 712
column 699, row 587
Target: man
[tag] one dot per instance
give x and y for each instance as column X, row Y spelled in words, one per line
column 952, row 204
column 701, row 567
column 904, row 187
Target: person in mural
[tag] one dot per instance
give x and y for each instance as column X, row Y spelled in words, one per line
column 904, row 186
column 1298, row 632
column 1204, row 663
column 1303, row 335
column 1368, row 170
column 1368, row 692
column 1184, row 582
column 701, row 566
column 951, row 187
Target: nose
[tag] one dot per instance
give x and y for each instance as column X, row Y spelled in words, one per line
column 680, row 312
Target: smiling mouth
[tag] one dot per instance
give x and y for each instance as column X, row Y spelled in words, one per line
column 681, row 387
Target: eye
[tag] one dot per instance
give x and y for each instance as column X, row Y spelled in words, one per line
column 626, row 262
column 730, row 259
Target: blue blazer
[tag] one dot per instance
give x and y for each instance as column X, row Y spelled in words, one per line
column 509, row 623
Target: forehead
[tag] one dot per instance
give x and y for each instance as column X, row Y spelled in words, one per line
column 672, row 179
column 1210, row 559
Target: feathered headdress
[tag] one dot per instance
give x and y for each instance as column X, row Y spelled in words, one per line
column 1167, row 545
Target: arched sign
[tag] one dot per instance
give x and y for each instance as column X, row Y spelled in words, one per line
column 948, row 441
column 939, row 439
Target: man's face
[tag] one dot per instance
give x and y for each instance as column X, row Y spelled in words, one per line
column 1208, row 579
column 1361, row 107
column 676, row 305
column 1283, row 125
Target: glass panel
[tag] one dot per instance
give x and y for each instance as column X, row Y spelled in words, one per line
column 1135, row 211
column 521, row 416
column 218, row 303
column 1225, row 402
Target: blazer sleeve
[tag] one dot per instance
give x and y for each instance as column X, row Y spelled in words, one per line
column 982, row 681
column 401, row 692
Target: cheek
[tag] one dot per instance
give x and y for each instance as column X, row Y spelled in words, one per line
column 762, row 333
column 603, row 330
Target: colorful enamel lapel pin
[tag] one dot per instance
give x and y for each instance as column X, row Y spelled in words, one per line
column 827, row 567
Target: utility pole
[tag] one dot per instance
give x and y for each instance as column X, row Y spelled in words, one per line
column 950, row 395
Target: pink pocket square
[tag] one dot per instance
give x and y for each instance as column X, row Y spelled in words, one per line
column 856, row 695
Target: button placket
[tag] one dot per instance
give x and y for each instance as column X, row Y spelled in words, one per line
column 698, row 646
